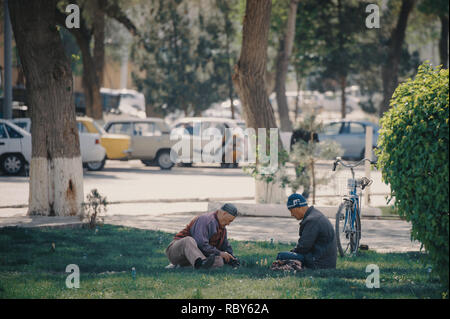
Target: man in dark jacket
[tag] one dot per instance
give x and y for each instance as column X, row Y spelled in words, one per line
column 316, row 247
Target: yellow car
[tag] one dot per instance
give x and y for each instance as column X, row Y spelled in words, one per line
column 117, row 146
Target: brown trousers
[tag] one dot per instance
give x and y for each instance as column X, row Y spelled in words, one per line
column 185, row 252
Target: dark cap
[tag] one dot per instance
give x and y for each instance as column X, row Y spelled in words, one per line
column 296, row 200
column 230, row 208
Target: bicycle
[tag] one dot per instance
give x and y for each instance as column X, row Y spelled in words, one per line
column 348, row 224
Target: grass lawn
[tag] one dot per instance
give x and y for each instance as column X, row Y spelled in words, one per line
column 30, row 269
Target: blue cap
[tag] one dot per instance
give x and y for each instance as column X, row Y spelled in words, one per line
column 296, row 200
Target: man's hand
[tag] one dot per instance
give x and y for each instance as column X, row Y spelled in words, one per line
column 226, row 256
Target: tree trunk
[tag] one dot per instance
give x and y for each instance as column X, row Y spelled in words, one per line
column 389, row 70
column 227, row 30
column 284, row 53
column 342, row 78
column 298, row 79
column 56, row 176
column 90, row 80
column 249, row 82
column 443, row 42
column 343, row 83
column 313, row 181
column 99, row 39
column 91, row 85
column 249, row 72
column 269, row 77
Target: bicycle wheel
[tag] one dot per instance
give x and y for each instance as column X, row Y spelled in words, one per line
column 347, row 237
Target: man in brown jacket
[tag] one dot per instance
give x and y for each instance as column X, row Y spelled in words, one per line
column 203, row 242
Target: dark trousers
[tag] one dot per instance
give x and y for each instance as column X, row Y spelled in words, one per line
column 290, row 255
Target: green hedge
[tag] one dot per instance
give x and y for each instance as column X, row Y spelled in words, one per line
column 414, row 158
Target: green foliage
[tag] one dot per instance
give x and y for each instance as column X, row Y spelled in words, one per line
column 434, row 7
column 328, row 36
column 72, row 51
column 185, row 56
column 413, row 150
column 259, row 170
column 328, row 48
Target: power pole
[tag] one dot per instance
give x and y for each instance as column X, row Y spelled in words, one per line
column 7, row 96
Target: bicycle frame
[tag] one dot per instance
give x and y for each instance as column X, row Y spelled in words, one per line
column 355, row 207
column 352, row 203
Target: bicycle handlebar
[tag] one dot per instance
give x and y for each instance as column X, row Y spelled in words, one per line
column 339, row 161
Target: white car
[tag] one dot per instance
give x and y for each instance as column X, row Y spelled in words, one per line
column 124, row 101
column 195, row 127
column 15, row 146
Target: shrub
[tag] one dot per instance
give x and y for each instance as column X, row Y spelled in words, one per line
column 95, row 208
column 413, row 155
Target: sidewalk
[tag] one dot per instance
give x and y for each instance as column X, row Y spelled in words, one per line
column 380, row 235
column 250, row 209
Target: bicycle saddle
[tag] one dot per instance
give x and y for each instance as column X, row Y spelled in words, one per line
column 364, row 182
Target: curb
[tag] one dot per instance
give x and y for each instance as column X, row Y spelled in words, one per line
column 280, row 211
column 160, row 200
column 42, row 222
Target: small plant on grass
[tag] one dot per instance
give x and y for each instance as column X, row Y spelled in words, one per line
column 95, row 208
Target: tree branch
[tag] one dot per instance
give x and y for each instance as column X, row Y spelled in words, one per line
column 113, row 11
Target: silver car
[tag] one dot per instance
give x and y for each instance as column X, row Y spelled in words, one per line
column 351, row 135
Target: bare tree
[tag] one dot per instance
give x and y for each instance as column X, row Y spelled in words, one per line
column 98, row 26
column 389, row 70
column 250, row 70
column 90, row 80
column 443, row 41
column 284, row 53
column 56, row 177
column 249, row 82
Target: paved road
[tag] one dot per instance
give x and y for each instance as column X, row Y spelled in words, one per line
column 132, row 180
column 134, row 183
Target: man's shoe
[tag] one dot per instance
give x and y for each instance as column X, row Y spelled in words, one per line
column 205, row 263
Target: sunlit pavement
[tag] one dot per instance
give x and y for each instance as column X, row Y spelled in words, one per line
column 380, row 235
column 135, row 189
column 133, row 181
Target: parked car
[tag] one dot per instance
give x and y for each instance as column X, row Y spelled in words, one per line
column 195, row 125
column 117, row 146
column 150, row 139
column 23, row 123
column 351, row 135
column 15, row 148
column 91, row 150
column 302, row 135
